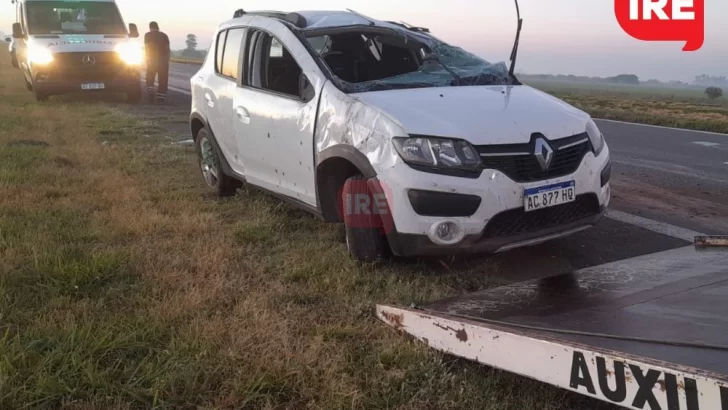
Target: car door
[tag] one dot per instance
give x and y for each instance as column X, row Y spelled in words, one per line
column 275, row 110
column 220, row 91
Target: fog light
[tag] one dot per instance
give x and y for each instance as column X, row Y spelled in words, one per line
column 446, row 233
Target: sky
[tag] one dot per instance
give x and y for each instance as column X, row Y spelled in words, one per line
column 580, row 37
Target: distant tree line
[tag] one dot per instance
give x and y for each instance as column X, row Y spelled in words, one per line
column 711, row 81
column 630, row 79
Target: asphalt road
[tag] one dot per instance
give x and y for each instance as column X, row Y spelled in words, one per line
column 670, row 175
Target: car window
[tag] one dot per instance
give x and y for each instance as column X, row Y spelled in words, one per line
column 219, row 50
column 231, row 54
column 273, row 67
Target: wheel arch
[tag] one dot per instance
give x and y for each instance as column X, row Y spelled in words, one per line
column 198, row 123
column 335, row 165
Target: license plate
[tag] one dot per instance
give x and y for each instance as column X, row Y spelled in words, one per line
column 548, row 196
column 93, row 86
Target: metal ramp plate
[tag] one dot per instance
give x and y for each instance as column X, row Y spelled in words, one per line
column 544, row 329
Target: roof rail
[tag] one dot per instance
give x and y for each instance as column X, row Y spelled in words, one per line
column 272, row 14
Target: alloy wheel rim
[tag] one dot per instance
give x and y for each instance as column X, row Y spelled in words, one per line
column 208, row 162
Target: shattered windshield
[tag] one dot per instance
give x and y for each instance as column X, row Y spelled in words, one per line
column 375, row 61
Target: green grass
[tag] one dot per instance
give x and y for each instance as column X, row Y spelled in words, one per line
column 672, row 107
column 123, row 285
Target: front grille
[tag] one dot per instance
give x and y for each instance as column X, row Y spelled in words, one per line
column 71, row 65
column 518, row 221
column 519, row 163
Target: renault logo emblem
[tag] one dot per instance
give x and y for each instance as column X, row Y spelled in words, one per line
column 88, row 60
column 544, row 154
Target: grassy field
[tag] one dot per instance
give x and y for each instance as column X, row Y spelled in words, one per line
column 682, row 108
column 124, row 286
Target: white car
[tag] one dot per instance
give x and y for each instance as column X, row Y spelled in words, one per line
column 417, row 146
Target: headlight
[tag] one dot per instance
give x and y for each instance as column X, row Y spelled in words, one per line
column 438, row 153
column 130, row 53
column 596, row 137
column 39, row 55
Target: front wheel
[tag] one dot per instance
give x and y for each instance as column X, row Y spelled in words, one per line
column 40, row 95
column 134, row 95
column 365, row 237
column 209, row 159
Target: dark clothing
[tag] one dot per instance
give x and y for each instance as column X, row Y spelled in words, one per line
column 157, row 47
column 158, row 52
column 161, row 71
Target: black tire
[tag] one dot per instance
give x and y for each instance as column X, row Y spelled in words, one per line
column 209, row 160
column 134, row 94
column 366, row 240
column 40, row 95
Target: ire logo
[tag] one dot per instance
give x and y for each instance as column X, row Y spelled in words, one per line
column 663, row 20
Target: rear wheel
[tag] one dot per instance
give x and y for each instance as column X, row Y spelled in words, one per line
column 209, row 160
column 365, row 236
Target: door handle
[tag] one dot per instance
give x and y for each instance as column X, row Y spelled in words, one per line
column 208, row 98
column 243, row 115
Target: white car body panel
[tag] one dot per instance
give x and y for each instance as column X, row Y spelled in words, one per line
column 347, row 121
column 282, row 160
column 480, row 114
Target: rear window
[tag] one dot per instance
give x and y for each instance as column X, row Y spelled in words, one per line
column 231, row 53
column 219, row 49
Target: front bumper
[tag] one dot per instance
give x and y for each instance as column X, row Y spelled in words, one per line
column 53, row 81
column 499, row 224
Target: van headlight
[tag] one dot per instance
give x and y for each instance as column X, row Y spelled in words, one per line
column 39, row 55
column 440, row 153
column 130, row 53
column 595, row 136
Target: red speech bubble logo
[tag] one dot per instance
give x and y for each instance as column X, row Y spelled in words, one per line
column 663, row 20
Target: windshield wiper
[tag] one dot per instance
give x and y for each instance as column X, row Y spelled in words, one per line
column 514, row 53
column 434, row 57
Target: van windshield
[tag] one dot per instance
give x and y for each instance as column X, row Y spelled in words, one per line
column 68, row 17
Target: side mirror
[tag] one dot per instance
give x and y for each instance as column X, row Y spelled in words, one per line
column 133, row 30
column 305, row 89
column 18, row 31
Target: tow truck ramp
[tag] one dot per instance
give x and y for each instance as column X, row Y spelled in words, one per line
column 645, row 333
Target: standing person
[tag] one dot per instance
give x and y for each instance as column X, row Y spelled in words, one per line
column 158, row 52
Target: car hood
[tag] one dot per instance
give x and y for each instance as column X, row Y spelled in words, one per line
column 479, row 114
column 79, row 43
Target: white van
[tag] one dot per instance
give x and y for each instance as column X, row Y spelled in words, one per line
column 68, row 46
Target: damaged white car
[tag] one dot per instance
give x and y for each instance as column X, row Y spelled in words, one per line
column 416, row 146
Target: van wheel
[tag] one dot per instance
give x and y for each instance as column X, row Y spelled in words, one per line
column 208, row 158
column 40, row 95
column 365, row 236
column 134, row 95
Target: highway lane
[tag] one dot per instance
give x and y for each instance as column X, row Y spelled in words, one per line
column 672, row 175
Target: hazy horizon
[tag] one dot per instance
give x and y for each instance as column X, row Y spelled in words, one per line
column 558, row 37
